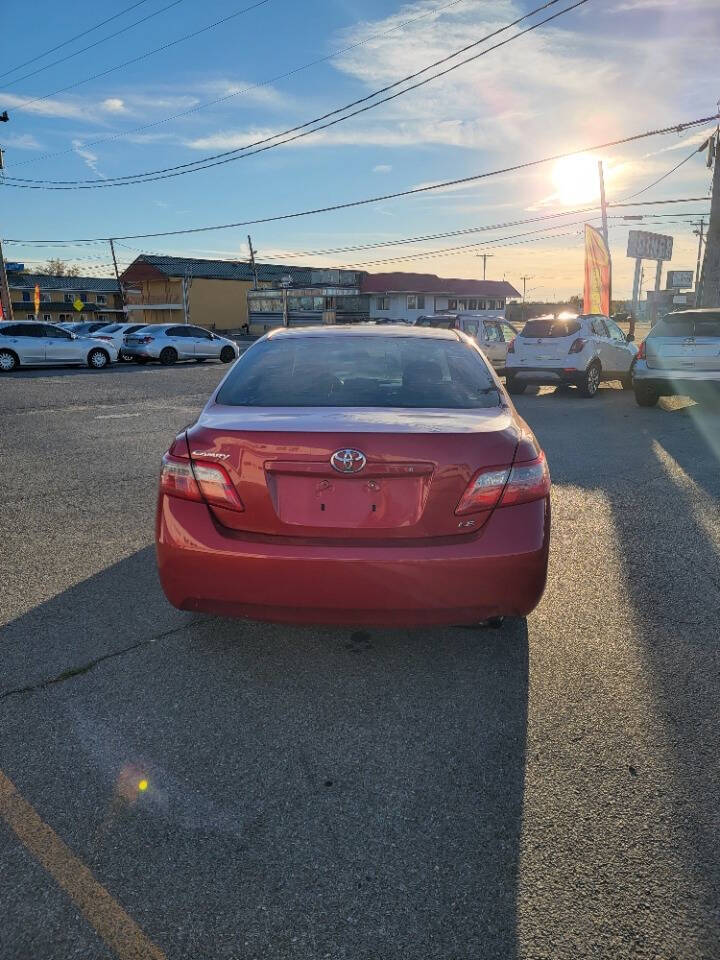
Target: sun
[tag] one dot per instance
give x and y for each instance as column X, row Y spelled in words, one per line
column 576, row 179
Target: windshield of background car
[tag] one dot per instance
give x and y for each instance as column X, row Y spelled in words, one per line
column 360, row 372
column 549, row 327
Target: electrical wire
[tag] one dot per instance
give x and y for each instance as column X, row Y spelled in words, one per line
column 39, row 56
column 143, row 56
column 90, row 46
column 238, row 93
column 230, row 155
column 665, row 175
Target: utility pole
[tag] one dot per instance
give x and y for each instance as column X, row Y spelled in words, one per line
column 603, row 209
column 117, row 275
column 7, row 310
column 709, row 293
column 524, row 280
column 699, row 232
column 252, row 263
column 484, row 260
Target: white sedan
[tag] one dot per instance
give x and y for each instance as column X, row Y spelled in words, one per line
column 30, row 343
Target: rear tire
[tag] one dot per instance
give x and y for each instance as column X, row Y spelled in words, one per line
column 645, row 395
column 590, row 384
column 227, row 355
column 98, row 359
column 514, row 386
column 168, row 356
column 8, row 361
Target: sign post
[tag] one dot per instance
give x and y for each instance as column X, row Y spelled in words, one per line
column 646, row 246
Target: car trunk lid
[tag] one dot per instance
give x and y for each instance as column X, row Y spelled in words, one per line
column 545, row 341
column 396, row 474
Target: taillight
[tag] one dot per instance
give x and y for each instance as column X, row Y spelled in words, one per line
column 203, row 482
column 146, row 339
column 641, row 351
column 506, row 486
column 98, row 337
column 511, row 346
column 577, row 345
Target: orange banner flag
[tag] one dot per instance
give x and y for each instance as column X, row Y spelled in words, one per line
column 37, row 299
column 597, row 273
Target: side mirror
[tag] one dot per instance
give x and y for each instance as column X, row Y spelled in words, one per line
column 73, row 336
column 630, row 338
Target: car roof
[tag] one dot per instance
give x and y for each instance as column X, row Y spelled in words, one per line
column 362, row 330
column 695, row 312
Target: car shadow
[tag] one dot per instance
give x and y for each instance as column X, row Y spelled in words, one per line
column 354, row 792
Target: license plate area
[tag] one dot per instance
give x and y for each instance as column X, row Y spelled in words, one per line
column 349, row 503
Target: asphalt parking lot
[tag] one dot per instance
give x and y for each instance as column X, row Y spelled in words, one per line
column 548, row 790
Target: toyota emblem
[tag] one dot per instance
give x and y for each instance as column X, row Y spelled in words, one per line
column 348, row 461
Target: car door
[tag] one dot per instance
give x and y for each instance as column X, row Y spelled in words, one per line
column 603, row 346
column 28, row 341
column 204, row 343
column 61, row 346
column 182, row 340
column 494, row 343
column 623, row 351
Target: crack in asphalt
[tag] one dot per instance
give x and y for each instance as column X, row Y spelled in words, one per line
column 81, row 669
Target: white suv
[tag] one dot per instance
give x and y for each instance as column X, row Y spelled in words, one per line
column 581, row 351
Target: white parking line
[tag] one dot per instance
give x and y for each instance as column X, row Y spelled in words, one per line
column 116, row 416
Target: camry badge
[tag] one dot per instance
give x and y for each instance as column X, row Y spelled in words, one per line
column 210, row 455
column 348, row 461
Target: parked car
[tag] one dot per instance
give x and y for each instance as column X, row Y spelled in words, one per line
column 356, row 474
column 83, row 328
column 493, row 334
column 115, row 333
column 680, row 355
column 30, row 343
column 170, row 342
column 581, row 351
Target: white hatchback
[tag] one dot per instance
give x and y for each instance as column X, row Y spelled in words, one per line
column 578, row 350
column 29, row 343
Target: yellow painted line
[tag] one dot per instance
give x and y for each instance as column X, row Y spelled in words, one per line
column 116, row 928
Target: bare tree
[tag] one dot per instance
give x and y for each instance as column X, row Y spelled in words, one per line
column 58, row 268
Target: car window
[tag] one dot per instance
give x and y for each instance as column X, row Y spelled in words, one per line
column 199, row 332
column 508, row 332
column 492, row 333
column 615, row 331
column 707, row 326
column 674, row 325
column 598, row 327
column 30, row 330
column 57, row 333
column 550, row 327
column 178, row 332
column 112, row 328
column 134, row 328
column 357, row 371
column 471, row 327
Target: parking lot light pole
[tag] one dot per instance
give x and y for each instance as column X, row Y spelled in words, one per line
column 7, row 310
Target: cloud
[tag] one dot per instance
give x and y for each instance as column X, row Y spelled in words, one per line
column 23, row 141
column 88, row 156
column 46, row 108
column 114, row 105
column 382, row 168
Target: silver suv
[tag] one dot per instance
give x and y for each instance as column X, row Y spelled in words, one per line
column 680, row 355
column 578, row 350
column 170, row 342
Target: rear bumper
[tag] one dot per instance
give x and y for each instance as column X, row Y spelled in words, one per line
column 671, row 382
column 499, row 572
column 148, row 350
column 548, row 375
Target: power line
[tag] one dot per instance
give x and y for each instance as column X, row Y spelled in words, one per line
column 228, row 156
column 664, row 176
column 97, row 43
column 39, row 56
column 143, row 56
column 248, row 89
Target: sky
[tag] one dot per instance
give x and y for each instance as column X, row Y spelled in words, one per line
column 607, row 70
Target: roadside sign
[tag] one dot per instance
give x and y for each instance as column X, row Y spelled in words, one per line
column 679, row 279
column 649, row 246
column 12, row 266
column 78, row 304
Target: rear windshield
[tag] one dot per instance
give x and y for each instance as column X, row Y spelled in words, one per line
column 351, row 371
column 112, row 328
column 688, row 325
column 442, row 323
column 549, row 327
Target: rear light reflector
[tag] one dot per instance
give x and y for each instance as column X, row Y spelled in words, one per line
column 216, row 486
column 202, row 482
column 641, row 351
column 483, row 491
column 528, row 481
column 177, row 479
column 577, row 345
column 506, row 486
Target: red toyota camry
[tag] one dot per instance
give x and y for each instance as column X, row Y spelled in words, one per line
column 356, row 475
